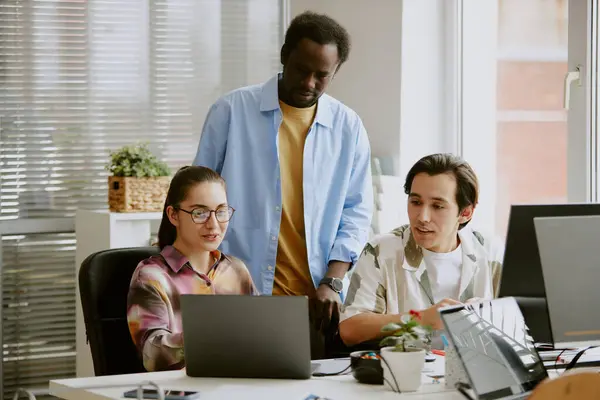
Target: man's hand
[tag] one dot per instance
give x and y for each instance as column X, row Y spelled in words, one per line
column 325, row 309
column 431, row 316
column 326, row 293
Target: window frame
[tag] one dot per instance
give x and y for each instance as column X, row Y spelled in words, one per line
column 473, row 25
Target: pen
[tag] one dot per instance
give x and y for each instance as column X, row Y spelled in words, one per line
column 444, row 340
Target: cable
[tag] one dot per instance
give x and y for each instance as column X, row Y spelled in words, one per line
column 462, row 388
column 558, row 358
column 320, row 374
column 397, row 389
column 577, row 357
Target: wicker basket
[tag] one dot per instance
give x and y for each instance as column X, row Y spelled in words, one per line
column 130, row 194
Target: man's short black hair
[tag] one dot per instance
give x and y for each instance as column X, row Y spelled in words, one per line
column 319, row 28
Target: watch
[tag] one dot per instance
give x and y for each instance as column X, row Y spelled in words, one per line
column 334, row 283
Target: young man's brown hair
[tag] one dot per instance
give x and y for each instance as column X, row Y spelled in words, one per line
column 467, row 185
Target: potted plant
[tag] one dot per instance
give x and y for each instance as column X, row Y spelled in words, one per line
column 403, row 352
column 139, row 181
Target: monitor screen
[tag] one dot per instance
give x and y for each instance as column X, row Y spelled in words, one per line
column 522, row 270
column 495, row 347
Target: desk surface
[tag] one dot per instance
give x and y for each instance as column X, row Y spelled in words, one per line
column 336, row 387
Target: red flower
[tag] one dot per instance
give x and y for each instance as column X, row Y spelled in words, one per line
column 415, row 314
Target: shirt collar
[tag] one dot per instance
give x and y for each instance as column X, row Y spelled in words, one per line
column 269, row 101
column 175, row 260
column 413, row 256
column 415, row 263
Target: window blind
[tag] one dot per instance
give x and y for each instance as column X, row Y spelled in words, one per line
column 38, row 315
column 77, row 79
column 80, row 78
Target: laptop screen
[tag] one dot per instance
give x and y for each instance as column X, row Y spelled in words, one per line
column 495, row 347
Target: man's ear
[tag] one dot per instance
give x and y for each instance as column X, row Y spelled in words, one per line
column 285, row 53
column 466, row 214
column 173, row 216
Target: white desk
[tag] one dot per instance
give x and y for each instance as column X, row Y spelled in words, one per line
column 338, row 387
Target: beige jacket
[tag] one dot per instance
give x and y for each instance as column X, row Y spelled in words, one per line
column 390, row 276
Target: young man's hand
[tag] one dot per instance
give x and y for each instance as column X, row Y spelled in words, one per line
column 431, row 316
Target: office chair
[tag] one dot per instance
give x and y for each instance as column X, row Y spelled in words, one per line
column 104, row 280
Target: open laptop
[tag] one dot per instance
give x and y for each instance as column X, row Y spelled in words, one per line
column 495, row 348
column 246, row 336
column 571, row 267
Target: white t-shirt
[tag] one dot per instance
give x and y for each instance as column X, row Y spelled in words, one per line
column 444, row 271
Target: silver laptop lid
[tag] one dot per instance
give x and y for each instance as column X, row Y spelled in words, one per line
column 495, row 347
column 571, row 267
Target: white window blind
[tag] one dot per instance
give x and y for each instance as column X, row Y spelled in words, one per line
column 38, row 313
column 79, row 78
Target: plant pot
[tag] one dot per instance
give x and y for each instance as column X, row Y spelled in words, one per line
column 131, row 194
column 406, row 367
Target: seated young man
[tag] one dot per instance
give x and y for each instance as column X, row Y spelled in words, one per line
column 435, row 261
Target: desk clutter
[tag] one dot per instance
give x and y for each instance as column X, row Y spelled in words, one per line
column 336, row 387
column 366, row 367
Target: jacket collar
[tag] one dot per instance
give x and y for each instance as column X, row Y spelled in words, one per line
column 414, row 262
column 269, row 101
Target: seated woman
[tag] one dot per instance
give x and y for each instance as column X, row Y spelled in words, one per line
column 194, row 221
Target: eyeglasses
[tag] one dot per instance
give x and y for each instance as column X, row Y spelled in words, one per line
column 201, row 215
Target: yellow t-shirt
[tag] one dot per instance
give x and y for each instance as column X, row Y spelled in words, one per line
column 292, row 276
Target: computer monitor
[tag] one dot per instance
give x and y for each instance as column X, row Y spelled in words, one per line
column 569, row 257
column 522, row 271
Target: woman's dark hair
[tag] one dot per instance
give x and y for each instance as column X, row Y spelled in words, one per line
column 319, row 28
column 467, row 185
column 182, row 182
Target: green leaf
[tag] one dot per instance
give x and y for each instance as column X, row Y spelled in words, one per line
column 391, row 327
column 388, row 341
column 136, row 160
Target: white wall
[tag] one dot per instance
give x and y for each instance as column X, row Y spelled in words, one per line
column 369, row 82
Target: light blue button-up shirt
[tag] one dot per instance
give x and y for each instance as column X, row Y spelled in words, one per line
column 240, row 141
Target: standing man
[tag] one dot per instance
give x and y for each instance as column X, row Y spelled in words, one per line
column 297, row 166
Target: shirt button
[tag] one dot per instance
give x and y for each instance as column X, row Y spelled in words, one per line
column 277, row 208
column 270, row 268
column 273, row 238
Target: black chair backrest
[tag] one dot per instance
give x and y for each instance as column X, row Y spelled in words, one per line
column 104, row 280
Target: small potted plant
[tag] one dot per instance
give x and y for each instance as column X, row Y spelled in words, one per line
column 403, row 352
column 139, row 181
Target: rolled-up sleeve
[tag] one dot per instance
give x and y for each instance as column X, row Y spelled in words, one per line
column 148, row 320
column 367, row 293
